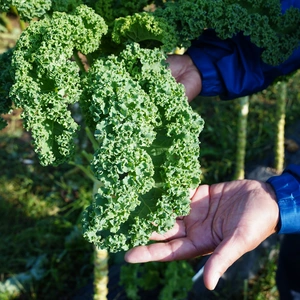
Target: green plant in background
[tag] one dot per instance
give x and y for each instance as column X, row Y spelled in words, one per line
column 241, row 138
column 173, row 279
column 41, row 238
column 280, row 117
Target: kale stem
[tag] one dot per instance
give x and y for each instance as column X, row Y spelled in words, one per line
column 22, row 25
column 21, row 22
column 6, row 21
column 91, row 138
column 84, row 169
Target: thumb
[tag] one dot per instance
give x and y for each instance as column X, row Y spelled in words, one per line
column 228, row 252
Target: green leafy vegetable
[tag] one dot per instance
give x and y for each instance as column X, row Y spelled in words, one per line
column 145, row 28
column 47, row 81
column 147, row 160
column 27, row 9
column 111, row 9
column 65, row 5
column 173, row 280
column 276, row 33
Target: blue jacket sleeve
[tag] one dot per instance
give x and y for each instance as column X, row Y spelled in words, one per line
column 287, row 190
column 233, row 68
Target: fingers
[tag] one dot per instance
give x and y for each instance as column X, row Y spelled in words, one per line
column 199, row 205
column 177, row 231
column 177, row 249
column 192, row 192
column 154, row 252
column 228, row 252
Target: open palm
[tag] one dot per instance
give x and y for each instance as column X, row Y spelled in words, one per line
column 226, row 219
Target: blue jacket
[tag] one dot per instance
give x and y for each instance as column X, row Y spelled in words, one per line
column 233, row 68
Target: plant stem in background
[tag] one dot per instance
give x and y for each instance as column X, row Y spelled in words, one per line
column 100, row 256
column 100, row 266
column 100, row 274
column 241, row 138
column 280, row 117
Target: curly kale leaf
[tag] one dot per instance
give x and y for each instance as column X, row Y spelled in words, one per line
column 276, row 33
column 6, row 82
column 112, row 9
column 28, row 9
column 47, row 81
column 178, row 23
column 145, row 28
column 65, row 5
column 147, row 160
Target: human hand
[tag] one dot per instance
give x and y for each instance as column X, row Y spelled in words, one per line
column 184, row 71
column 226, row 219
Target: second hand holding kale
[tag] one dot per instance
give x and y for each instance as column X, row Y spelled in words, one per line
column 184, row 71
